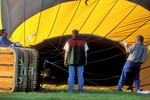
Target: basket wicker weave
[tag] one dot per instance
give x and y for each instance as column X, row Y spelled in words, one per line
column 18, row 69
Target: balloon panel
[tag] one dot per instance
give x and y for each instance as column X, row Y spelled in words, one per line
column 30, row 23
column 117, row 20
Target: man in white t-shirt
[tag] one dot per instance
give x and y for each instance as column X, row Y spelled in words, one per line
column 75, row 58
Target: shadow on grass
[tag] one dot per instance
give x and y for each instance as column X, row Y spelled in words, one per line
column 87, row 91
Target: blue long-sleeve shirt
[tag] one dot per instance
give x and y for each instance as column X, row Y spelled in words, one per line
column 137, row 53
column 4, row 41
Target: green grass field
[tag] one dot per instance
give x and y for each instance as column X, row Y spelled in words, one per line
column 64, row 95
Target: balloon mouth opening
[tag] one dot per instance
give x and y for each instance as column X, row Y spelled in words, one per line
column 105, row 60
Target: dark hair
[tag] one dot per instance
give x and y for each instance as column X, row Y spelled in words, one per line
column 2, row 31
column 76, row 32
column 140, row 38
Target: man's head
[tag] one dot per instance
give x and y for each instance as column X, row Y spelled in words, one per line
column 75, row 33
column 3, row 33
column 139, row 38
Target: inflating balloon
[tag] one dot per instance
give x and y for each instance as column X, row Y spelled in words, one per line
column 105, row 24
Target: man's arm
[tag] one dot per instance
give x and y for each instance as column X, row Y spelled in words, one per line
column 86, row 49
column 126, row 48
column 85, row 58
column 2, row 42
column 65, row 58
column 5, row 42
column 66, row 48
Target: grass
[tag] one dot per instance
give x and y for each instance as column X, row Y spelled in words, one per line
column 64, row 95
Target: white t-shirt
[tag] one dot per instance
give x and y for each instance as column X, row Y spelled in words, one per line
column 66, row 47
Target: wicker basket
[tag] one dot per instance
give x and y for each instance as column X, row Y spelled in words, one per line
column 18, row 69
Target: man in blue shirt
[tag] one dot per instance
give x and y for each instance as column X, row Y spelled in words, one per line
column 4, row 41
column 137, row 54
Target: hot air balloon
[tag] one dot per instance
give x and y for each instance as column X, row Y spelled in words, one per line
column 45, row 25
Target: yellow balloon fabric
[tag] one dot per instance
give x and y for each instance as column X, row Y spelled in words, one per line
column 119, row 20
column 145, row 72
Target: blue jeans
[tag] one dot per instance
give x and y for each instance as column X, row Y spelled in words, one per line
column 130, row 70
column 71, row 79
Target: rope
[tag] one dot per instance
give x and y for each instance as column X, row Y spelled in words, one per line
column 67, row 27
column 46, row 61
column 87, row 79
column 102, row 50
column 88, row 54
column 97, row 75
column 57, row 62
column 55, row 55
column 52, row 63
column 104, row 59
column 104, row 79
column 56, row 49
column 93, row 52
column 47, row 52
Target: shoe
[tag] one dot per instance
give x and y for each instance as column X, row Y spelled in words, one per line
column 140, row 90
column 70, row 91
column 143, row 92
column 81, row 91
column 118, row 90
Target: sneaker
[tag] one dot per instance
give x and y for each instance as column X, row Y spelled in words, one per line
column 81, row 91
column 70, row 91
column 140, row 90
column 143, row 92
column 118, row 90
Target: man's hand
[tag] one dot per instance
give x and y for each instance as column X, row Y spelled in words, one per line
column 126, row 46
column 126, row 43
column 85, row 58
column 85, row 63
column 65, row 63
column 12, row 45
column 65, row 59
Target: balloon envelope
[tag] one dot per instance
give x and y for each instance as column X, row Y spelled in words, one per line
column 32, row 21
